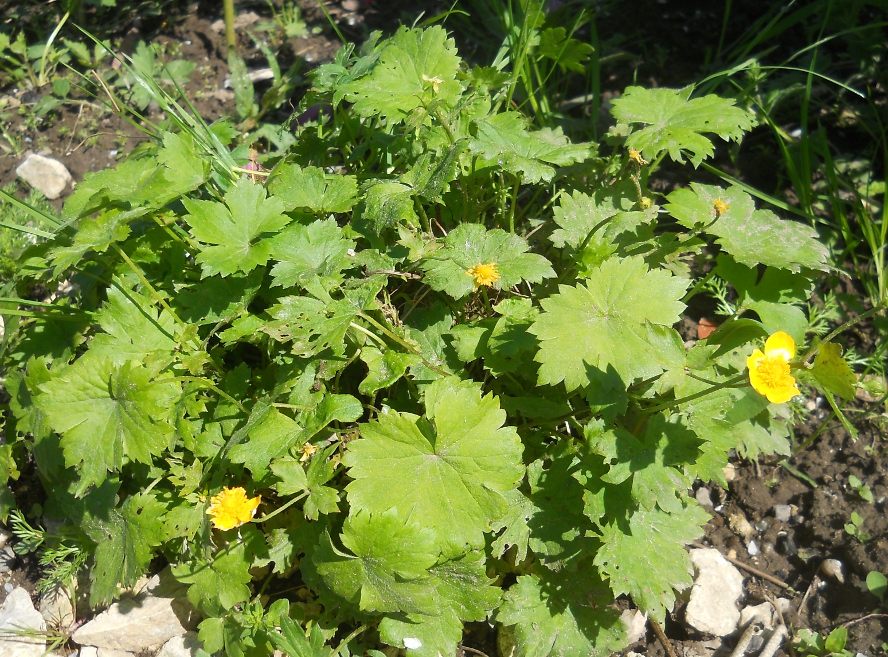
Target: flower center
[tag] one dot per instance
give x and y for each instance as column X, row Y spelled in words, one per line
column 774, row 371
column 485, row 275
column 720, row 206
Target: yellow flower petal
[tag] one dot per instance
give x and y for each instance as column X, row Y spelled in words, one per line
column 781, row 344
column 485, row 275
column 769, row 372
column 232, row 508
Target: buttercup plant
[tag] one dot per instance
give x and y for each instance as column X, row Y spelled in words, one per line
column 436, row 344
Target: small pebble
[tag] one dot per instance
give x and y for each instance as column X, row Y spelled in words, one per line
column 835, row 569
column 782, row 512
column 8, row 587
column 761, row 525
column 752, row 548
column 703, row 497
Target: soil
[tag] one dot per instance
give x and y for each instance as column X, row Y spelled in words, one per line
column 814, row 482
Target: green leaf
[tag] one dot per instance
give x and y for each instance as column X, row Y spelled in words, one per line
column 463, row 592
column 186, row 169
column 219, row 584
column 557, row 525
column 751, row 236
column 388, row 559
column 607, row 322
column 125, row 541
column 770, row 295
column 515, row 523
column 321, row 498
column 312, row 256
column 385, row 368
column 460, row 451
column 415, row 68
column 470, row 245
column 832, row 371
column 655, row 461
column 133, row 330
column 233, row 231
column 430, row 329
column 432, row 173
column 569, row 54
column 649, row 560
column 108, row 416
column 423, row 635
column 313, row 190
column 215, row 299
column 676, row 123
column 553, row 615
column 504, row 139
column 388, row 204
column 310, row 325
column 270, row 435
column 293, row 642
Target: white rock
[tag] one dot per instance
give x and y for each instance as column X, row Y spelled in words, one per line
column 835, row 569
column 636, row 625
column 110, row 652
column 186, row 645
column 18, row 615
column 4, row 537
column 88, row 651
column 45, row 174
column 133, row 624
column 765, row 614
column 718, row 585
column 783, row 512
column 56, row 607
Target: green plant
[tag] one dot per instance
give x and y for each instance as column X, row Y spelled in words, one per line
column 864, row 491
column 811, row 643
column 60, row 556
column 13, row 242
column 855, row 528
column 877, row 584
column 421, row 369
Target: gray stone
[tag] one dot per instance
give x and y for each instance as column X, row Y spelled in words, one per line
column 56, row 607
column 22, row 627
column 44, row 174
column 636, row 625
column 712, row 607
column 186, row 645
column 88, row 651
column 782, row 512
column 151, row 618
column 4, row 537
column 7, row 558
column 703, row 497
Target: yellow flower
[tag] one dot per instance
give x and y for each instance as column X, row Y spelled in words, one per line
column 636, row 157
column 485, row 275
column 435, row 82
column 308, row 451
column 232, row 508
column 720, row 206
column 769, row 371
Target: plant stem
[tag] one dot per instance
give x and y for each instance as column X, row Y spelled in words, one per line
column 280, row 509
column 230, row 37
column 682, row 400
column 851, row 322
column 148, row 285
